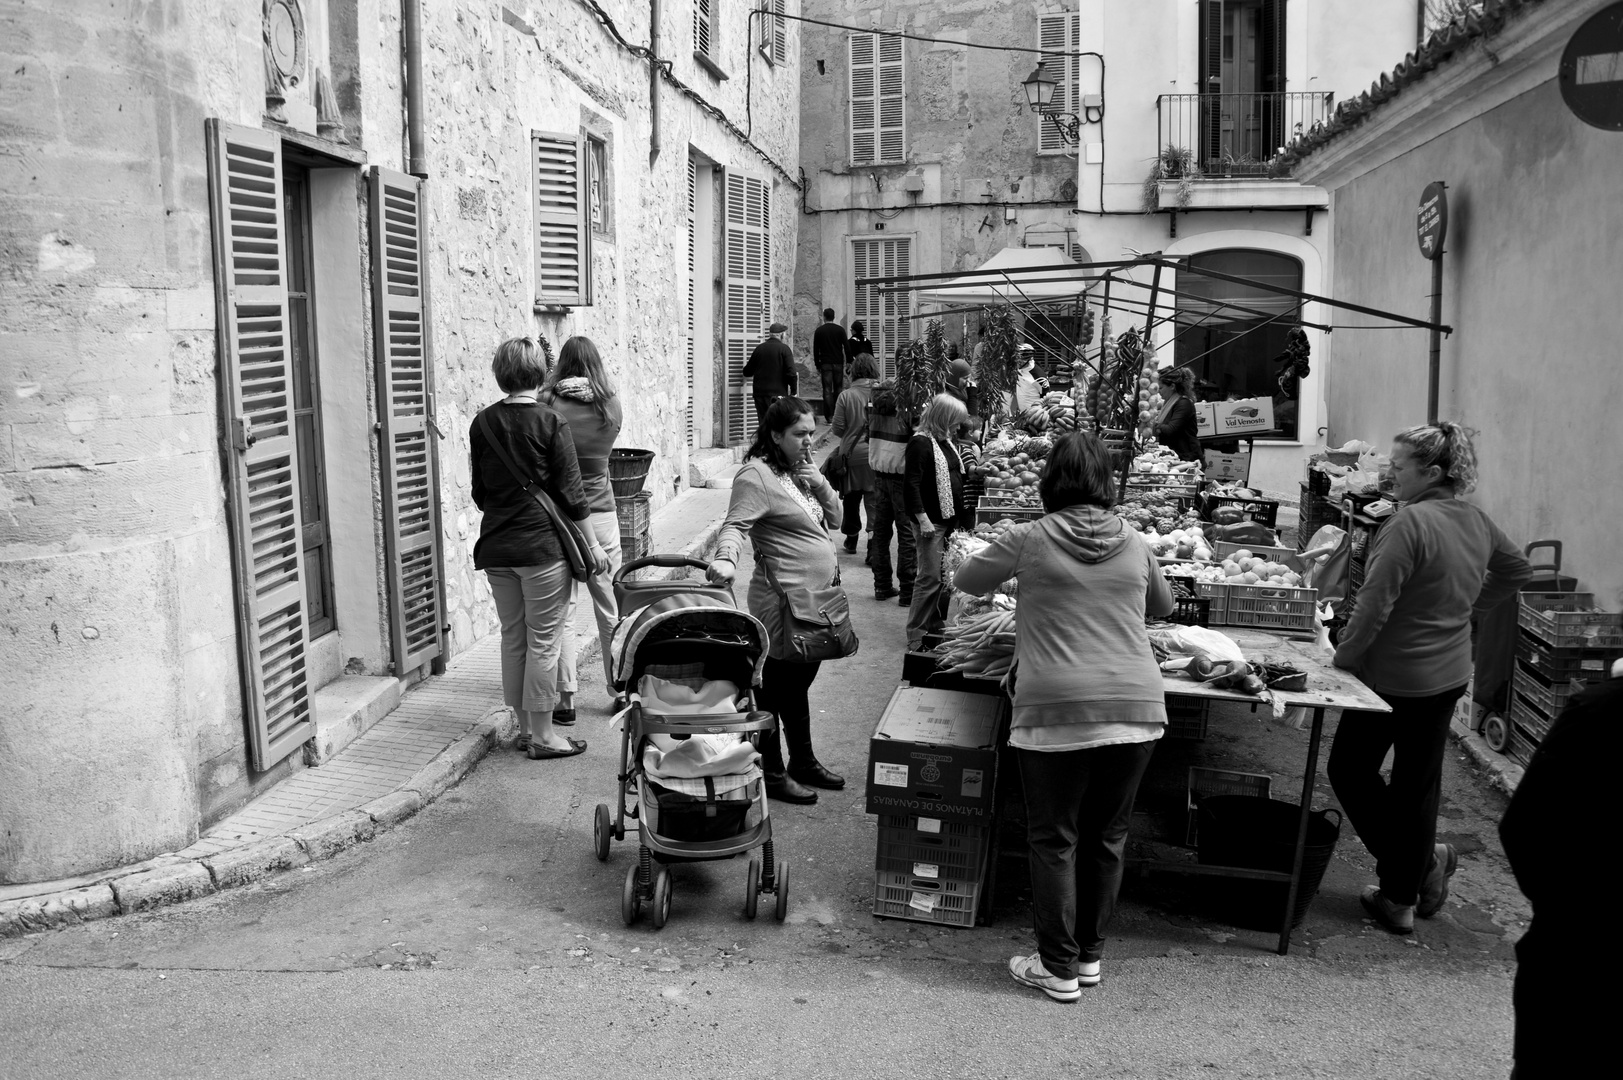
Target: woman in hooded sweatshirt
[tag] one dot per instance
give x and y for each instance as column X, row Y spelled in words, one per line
column 1088, row 702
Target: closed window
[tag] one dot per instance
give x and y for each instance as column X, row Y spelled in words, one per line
column 1235, row 353
column 1060, row 37
column 884, row 314
column 563, row 223
column 878, row 104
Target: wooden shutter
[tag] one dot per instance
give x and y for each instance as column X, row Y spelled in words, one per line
column 563, row 234
column 780, row 32
column 749, row 272
column 250, row 276
column 411, row 520
column 1271, row 56
column 885, row 315
column 864, row 106
column 701, row 25
column 892, row 110
column 1059, row 36
column 1211, row 82
column 692, row 289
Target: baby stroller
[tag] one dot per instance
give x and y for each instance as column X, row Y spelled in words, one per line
column 688, row 660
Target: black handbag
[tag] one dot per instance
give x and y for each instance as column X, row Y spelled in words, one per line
column 576, row 548
column 813, row 624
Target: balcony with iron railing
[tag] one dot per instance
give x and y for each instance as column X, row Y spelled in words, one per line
column 1206, row 140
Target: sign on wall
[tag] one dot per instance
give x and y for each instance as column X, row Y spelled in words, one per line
column 1591, row 74
column 1431, row 220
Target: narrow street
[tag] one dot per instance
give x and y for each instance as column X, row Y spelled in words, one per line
column 483, row 938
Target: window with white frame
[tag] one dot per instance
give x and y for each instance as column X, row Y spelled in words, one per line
column 1060, row 39
column 774, row 31
column 878, row 112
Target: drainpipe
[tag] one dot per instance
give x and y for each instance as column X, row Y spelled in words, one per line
column 411, row 12
column 653, row 81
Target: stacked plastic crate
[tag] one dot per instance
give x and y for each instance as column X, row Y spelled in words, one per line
column 635, row 522
column 1564, row 644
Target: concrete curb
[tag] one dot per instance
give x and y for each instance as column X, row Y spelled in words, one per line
column 1503, row 773
column 171, row 880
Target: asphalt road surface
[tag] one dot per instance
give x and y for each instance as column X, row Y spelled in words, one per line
column 483, row 938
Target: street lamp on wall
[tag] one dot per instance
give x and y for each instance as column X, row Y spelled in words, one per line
column 1040, row 96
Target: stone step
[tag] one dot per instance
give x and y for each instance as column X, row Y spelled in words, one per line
column 345, row 709
column 713, row 466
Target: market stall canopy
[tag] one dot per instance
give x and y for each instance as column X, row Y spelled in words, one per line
column 1002, row 279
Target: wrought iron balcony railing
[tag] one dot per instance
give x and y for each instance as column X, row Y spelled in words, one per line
column 1236, row 135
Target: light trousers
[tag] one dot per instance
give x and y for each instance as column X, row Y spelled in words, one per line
column 531, row 602
column 606, row 527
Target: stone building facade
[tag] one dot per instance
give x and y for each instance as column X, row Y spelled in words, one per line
column 242, row 345
column 973, row 170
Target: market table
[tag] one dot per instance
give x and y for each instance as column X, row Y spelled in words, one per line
column 1328, row 687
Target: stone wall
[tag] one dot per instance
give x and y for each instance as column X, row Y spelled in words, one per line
column 496, row 74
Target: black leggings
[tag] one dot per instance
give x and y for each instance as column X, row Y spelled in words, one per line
column 1398, row 820
column 786, row 690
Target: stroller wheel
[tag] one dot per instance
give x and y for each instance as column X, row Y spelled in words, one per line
column 629, row 903
column 662, row 897
column 1496, row 732
column 752, row 889
column 602, row 830
column 783, row 892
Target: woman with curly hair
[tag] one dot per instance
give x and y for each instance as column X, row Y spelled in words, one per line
column 1433, row 565
column 1176, row 425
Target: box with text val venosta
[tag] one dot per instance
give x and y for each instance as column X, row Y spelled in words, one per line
column 935, row 753
column 1230, row 419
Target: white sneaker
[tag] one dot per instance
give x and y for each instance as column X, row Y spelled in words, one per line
column 1087, row 973
column 1029, row 971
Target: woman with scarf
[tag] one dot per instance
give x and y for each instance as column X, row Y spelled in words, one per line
column 785, row 506
column 578, row 390
column 933, row 487
column 850, row 426
column 1176, row 425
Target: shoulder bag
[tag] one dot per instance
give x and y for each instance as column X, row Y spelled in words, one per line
column 570, row 538
column 814, row 624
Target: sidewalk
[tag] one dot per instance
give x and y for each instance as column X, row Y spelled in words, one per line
column 435, row 737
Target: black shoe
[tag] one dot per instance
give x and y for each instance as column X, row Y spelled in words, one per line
column 563, row 717
column 867, row 560
column 851, row 544
column 785, row 788
column 885, row 592
column 815, row 775
column 906, row 600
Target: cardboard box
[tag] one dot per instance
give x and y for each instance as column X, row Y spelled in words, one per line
column 934, row 752
column 1236, row 467
column 1235, row 419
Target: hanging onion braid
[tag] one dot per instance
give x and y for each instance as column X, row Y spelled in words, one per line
column 1448, row 446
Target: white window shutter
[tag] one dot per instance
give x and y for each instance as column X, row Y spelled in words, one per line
column 1058, row 35
column 884, row 315
column 748, row 292
column 692, row 289
column 780, row 32
column 864, row 105
column 410, row 465
column 892, row 100
column 702, row 25
column 563, row 235
column 250, row 281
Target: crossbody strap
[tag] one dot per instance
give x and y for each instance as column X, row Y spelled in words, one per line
column 530, row 488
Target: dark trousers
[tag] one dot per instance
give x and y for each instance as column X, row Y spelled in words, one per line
column 855, row 502
column 763, row 401
column 785, row 690
column 1078, row 806
column 1396, row 819
column 833, row 382
column 889, row 513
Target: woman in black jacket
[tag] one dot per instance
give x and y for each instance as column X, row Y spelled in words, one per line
column 1176, row 426
column 933, row 488
column 518, row 545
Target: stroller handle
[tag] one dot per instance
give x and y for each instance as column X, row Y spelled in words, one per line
column 667, row 561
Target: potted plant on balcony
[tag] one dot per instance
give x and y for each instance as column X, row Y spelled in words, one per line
column 1174, row 163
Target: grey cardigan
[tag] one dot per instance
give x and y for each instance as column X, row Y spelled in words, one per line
column 782, row 533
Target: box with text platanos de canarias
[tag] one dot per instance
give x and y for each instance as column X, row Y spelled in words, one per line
column 934, row 752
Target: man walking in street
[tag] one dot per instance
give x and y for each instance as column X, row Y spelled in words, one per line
column 888, row 432
column 771, row 366
column 828, row 352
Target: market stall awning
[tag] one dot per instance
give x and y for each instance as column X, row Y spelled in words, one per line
column 1004, row 278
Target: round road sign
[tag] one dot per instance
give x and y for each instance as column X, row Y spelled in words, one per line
column 1591, row 74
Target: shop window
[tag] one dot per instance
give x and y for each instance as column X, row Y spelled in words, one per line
column 1239, row 354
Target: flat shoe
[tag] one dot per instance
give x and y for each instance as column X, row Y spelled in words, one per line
column 538, row 751
column 884, row 594
column 1434, row 890
column 522, row 743
column 1397, row 918
column 815, row 775
column 563, row 717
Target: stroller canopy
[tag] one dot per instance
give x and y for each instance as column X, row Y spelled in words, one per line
column 688, row 628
